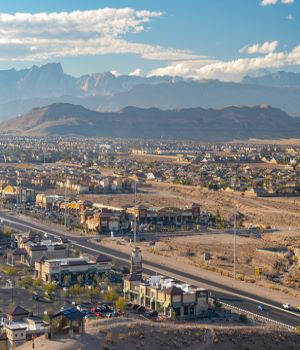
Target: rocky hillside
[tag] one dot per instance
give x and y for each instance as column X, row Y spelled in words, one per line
column 125, row 334
column 229, row 123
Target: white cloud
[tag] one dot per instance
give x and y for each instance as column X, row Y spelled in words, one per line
column 233, row 70
column 115, row 73
column 274, row 2
column 266, row 47
column 40, row 36
column 268, row 2
column 136, row 73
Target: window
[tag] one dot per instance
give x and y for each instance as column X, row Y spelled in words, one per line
column 186, row 310
column 192, row 310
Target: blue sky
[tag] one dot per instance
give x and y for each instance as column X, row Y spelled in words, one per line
column 222, row 39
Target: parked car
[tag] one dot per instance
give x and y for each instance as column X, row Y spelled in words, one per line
column 152, row 313
column 141, row 308
column 287, row 306
column 90, row 316
column 35, row 297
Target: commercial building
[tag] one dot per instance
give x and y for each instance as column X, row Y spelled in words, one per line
column 55, row 270
column 104, row 219
column 48, row 201
column 188, row 216
column 31, row 248
column 166, row 295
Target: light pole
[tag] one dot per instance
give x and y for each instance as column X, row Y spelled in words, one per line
column 234, row 248
column 134, row 227
column 65, row 205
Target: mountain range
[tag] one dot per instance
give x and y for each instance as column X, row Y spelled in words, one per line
column 63, row 119
column 22, row 90
column 278, row 80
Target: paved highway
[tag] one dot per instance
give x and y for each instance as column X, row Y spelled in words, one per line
column 228, row 295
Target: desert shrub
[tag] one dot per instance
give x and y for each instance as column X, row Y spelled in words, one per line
column 109, row 338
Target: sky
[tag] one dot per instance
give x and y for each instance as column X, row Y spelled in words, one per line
column 198, row 39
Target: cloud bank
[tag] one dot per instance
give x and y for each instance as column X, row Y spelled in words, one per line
column 265, row 48
column 41, row 36
column 233, row 70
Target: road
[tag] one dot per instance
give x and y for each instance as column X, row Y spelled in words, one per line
column 228, row 295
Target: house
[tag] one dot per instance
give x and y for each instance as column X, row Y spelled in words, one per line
column 22, row 326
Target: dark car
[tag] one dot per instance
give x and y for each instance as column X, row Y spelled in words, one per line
column 152, row 313
column 35, row 297
column 141, row 308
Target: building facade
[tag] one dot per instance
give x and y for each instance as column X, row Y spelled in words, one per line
column 166, row 296
column 55, row 270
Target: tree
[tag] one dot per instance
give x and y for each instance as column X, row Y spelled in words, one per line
column 50, row 288
column 11, row 271
column 111, row 295
column 26, row 282
column 7, row 231
column 120, row 304
column 93, row 292
column 65, row 294
column 38, row 282
column 80, row 280
column 67, row 280
column 77, row 289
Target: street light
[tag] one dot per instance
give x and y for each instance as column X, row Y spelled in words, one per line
column 234, row 248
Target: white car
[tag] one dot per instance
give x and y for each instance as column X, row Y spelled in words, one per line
column 287, row 306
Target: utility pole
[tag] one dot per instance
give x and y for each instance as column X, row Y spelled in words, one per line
column 234, row 248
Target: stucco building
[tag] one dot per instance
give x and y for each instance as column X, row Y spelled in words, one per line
column 166, row 295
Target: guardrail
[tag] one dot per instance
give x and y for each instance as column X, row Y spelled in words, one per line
column 263, row 318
